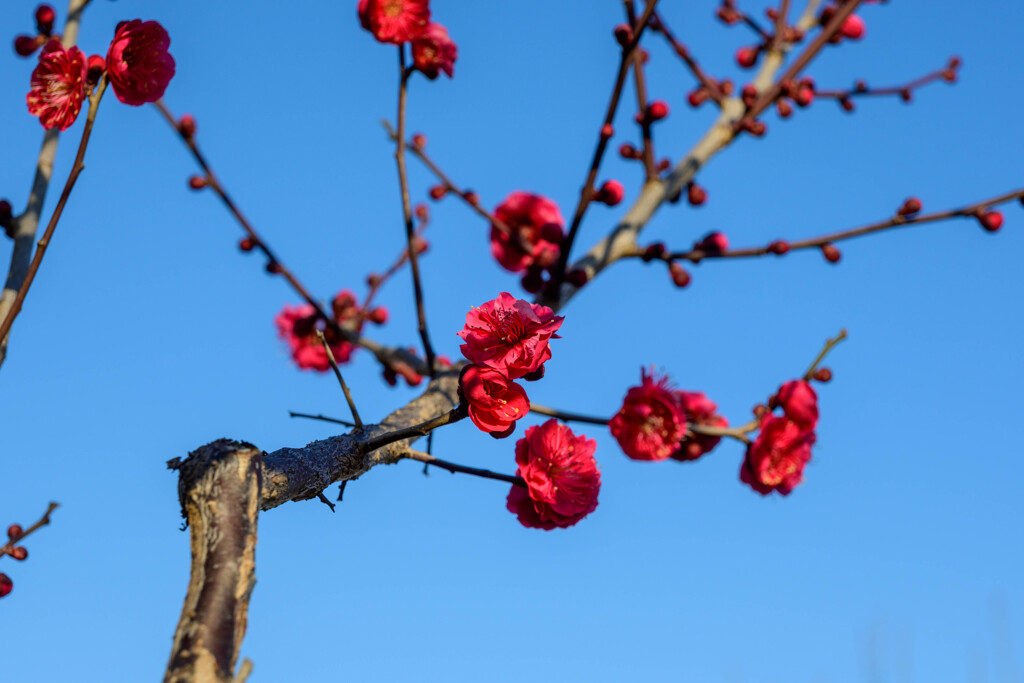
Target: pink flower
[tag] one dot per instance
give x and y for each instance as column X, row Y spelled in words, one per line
column 651, row 422
column 495, row 402
column 433, row 51
column 700, row 411
column 510, row 335
column 58, row 86
column 776, row 459
column 297, row 325
column 536, row 224
column 394, row 21
column 800, row 403
column 562, row 479
column 138, row 63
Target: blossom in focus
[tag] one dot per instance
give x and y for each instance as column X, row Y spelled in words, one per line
column 394, row 21
column 58, row 86
column 699, row 410
column 776, row 459
column 800, row 403
column 433, row 51
column 138, row 64
column 510, row 335
column 562, row 479
column 537, row 230
column 651, row 422
column 495, row 402
column 298, row 325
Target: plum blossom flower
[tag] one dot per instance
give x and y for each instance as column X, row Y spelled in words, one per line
column 138, row 64
column 510, row 335
column 495, row 402
column 651, row 422
column 776, row 459
column 394, row 21
column 58, row 86
column 699, row 410
column 433, row 51
column 298, row 325
column 800, row 403
column 536, row 223
column 562, row 479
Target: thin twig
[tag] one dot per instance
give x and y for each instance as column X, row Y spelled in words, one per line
column 641, row 98
column 76, row 170
column 410, row 235
column 829, row 345
column 341, row 380
column 711, row 85
column 323, row 418
column 428, row 459
column 421, row 429
column 566, row 417
column 14, row 540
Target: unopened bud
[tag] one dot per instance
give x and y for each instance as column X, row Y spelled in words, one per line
column 6, row 585
column 187, row 125
column 696, row 195
column 197, row 182
column 680, row 277
column 628, row 151
column 26, row 45
column 784, row 108
column 472, row 197
column 746, row 57
column 19, row 553
column 247, row 244
column 378, row 315
column 657, row 110
column 653, row 251
column 532, row 281
column 437, row 192
column 623, row 34
column 991, row 220
column 419, row 140
column 611, row 193
column 910, row 207
column 698, row 97
column 577, row 278
column 823, row 375
column 714, row 243
column 45, row 16
column 831, row 253
column 14, row 531
column 421, row 212
column 607, row 130
column 273, row 267
column 779, row 247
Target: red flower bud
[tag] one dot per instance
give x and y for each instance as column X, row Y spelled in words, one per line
column 197, row 182
column 390, row 376
column 749, row 95
column 698, row 96
column 784, row 108
column 45, row 16
column 657, row 110
column 800, row 403
column 611, row 193
column 696, row 194
column 746, row 57
column 419, row 140
column 779, row 247
column 757, row 128
column 273, row 267
column 378, row 315
column 607, row 130
column 804, row 96
column 14, row 531
column 533, row 280
column 714, row 243
column 653, row 251
column 727, row 15
column 906, row 95
column 726, row 87
column 421, row 212
column 373, row 280
column 19, row 553
column 437, row 192
column 623, row 34
column 26, row 45
column 187, row 124
column 680, row 278
column 823, row 375
column 853, row 27
column 5, row 584
column 247, row 244
column 910, row 207
column 991, row 220
column 846, row 103
column 472, row 197
column 831, row 253
column 577, row 278
column 421, row 245
column 6, row 213
column 628, row 151
column 664, row 164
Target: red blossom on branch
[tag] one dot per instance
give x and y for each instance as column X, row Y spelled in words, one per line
column 494, row 401
column 433, row 51
column 510, row 335
column 58, row 86
column 139, row 65
column 651, row 422
column 394, row 21
column 534, row 221
column 298, row 326
column 561, row 475
column 702, row 411
column 776, row 459
column 799, row 401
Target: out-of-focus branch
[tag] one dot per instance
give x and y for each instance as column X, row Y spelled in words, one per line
column 640, row 82
column 12, row 541
column 219, row 490
column 24, row 226
column 904, row 92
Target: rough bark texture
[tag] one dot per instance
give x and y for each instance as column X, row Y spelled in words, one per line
column 219, row 489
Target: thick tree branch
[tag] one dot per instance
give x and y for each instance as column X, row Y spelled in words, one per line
column 219, row 490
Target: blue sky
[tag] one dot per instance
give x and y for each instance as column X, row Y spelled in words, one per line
column 147, row 334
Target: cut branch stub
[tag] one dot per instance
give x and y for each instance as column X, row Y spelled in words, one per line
column 219, row 488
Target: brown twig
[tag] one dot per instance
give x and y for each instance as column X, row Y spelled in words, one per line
column 587, row 191
column 387, row 356
column 410, row 234
column 452, row 467
column 565, row 416
column 12, row 541
column 898, row 221
column 710, row 84
column 323, row 418
column 861, row 89
column 641, row 99
column 341, row 380
column 76, row 170
column 829, row 345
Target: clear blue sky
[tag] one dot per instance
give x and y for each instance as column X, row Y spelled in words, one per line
column 148, row 334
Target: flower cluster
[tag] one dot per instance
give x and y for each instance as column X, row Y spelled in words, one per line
column 408, row 21
column 652, row 422
column 561, row 475
column 298, row 326
column 776, row 459
column 530, row 236
column 137, row 65
column 505, row 339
